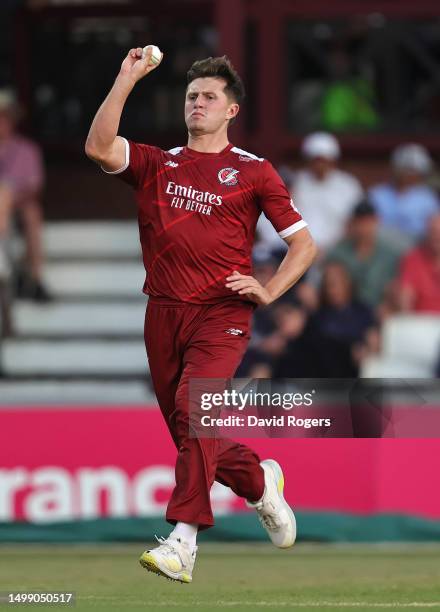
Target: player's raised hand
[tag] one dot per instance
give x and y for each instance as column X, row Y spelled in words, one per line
column 137, row 65
column 250, row 287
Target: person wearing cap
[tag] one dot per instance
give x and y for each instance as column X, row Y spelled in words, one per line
column 21, row 184
column 371, row 260
column 324, row 194
column 406, row 203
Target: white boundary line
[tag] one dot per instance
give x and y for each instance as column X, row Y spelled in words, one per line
column 283, row 604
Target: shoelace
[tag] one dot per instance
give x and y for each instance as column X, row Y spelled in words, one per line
column 270, row 522
column 167, row 547
column 267, row 518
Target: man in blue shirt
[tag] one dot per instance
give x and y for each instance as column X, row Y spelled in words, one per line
column 406, row 203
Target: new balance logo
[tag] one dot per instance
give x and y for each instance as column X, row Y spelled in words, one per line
column 234, row 332
column 171, row 164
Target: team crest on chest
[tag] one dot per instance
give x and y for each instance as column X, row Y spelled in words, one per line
column 228, row 176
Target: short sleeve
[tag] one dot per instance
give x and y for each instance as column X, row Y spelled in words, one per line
column 277, row 204
column 141, row 164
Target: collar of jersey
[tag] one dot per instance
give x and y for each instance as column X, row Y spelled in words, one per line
column 193, row 153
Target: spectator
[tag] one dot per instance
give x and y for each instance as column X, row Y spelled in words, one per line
column 324, row 195
column 264, row 267
column 406, row 203
column 371, row 260
column 420, row 273
column 327, row 348
column 288, row 321
column 349, row 99
column 21, row 180
column 271, row 326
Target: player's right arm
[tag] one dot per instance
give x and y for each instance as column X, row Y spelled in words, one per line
column 103, row 145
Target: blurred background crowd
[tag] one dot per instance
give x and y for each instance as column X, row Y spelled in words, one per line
column 346, row 107
column 379, row 256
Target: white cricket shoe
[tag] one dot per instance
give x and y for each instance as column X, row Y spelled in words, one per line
column 173, row 558
column 274, row 513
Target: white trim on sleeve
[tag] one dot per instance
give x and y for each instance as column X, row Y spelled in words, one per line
column 127, row 160
column 246, row 154
column 292, row 229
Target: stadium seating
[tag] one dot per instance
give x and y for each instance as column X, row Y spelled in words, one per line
column 410, row 348
column 87, row 345
column 79, row 319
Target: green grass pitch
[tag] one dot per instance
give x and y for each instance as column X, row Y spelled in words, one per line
column 239, row 577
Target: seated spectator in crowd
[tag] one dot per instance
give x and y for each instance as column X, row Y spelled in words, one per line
column 371, row 260
column 287, row 320
column 324, row 195
column 349, row 99
column 406, row 203
column 328, row 346
column 420, row 273
column 264, row 268
column 21, row 180
column 257, row 362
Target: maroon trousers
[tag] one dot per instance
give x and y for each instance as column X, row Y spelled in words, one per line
column 186, row 341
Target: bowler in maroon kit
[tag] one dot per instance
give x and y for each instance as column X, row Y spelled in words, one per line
column 198, row 206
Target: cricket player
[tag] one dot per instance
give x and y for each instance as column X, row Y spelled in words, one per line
column 198, row 206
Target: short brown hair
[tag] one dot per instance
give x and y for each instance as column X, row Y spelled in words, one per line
column 220, row 68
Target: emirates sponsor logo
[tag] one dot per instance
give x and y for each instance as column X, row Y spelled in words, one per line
column 183, row 191
column 228, row 176
column 185, row 197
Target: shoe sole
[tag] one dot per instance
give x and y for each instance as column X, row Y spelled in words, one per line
column 279, row 479
column 149, row 563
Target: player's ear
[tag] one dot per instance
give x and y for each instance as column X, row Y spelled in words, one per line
column 232, row 111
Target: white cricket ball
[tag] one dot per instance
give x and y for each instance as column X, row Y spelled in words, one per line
column 156, row 54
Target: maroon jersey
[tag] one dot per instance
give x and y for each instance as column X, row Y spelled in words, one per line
column 197, row 214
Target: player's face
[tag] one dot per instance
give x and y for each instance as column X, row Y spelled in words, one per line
column 207, row 107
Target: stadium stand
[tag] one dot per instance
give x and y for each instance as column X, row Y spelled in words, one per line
column 409, row 348
column 87, row 345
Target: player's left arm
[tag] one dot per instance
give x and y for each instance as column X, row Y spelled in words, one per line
column 299, row 257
